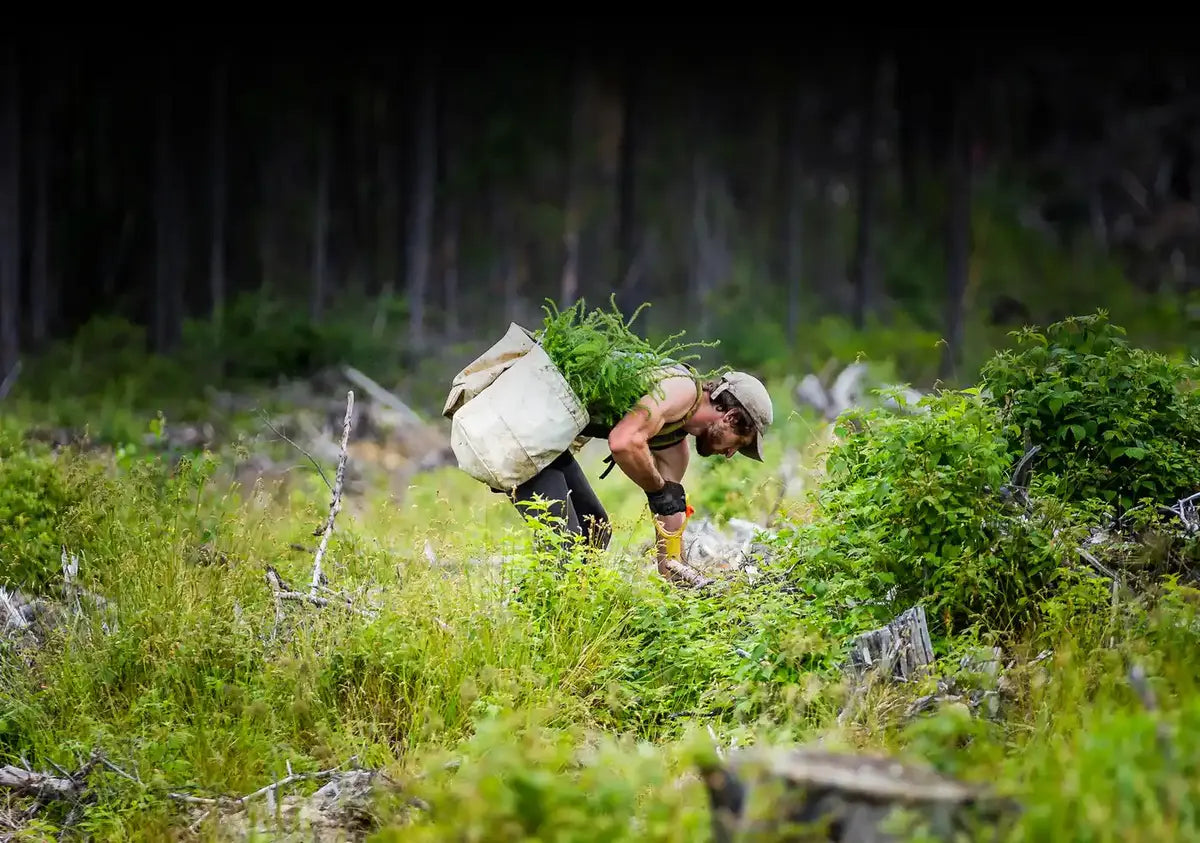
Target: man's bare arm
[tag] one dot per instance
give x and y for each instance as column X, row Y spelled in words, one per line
column 629, row 439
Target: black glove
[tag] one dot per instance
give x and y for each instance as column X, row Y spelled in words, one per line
column 668, row 500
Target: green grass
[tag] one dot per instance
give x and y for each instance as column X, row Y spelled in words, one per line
column 571, row 701
column 514, row 697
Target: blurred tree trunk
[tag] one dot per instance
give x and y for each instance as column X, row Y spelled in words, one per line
column 395, row 174
column 10, row 214
column 791, row 207
column 702, row 270
column 865, row 281
column 448, row 209
column 909, row 113
column 424, row 163
column 220, row 189
column 103, row 198
column 828, row 270
column 41, row 294
column 569, row 286
column 321, row 214
column 387, row 213
column 509, row 265
column 268, row 179
column 389, row 223
column 168, row 277
column 627, row 282
column 450, row 279
column 958, row 226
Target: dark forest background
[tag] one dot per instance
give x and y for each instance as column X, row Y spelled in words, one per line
column 262, row 209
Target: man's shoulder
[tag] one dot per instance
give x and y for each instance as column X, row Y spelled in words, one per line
column 676, row 393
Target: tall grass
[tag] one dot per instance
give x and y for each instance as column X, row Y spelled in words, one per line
column 513, row 696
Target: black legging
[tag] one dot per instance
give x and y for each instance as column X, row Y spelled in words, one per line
column 564, row 486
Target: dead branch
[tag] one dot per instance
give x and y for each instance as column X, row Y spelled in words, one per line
column 43, row 787
column 10, row 380
column 272, row 788
column 104, row 761
column 1017, row 487
column 320, row 602
column 336, row 504
column 73, row 591
column 1097, row 564
column 764, row 793
column 281, row 592
column 276, row 588
column 383, row 396
column 902, row 647
column 14, row 615
column 73, row 787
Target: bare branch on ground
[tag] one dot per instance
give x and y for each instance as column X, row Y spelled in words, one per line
column 336, row 503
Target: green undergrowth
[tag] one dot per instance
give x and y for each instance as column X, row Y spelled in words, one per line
column 514, row 687
column 1116, row 422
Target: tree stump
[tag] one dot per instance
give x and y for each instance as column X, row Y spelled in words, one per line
column 902, row 648
column 802, row 794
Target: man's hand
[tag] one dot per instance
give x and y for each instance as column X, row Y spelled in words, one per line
column 669, row 500
column 671, row 503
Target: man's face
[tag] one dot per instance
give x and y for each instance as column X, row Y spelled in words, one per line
column 724, row 436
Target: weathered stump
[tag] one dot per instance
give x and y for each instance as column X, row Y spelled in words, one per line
column 902, row 648
column 812, row 795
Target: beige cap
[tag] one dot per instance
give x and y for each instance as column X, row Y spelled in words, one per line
column 753, row 396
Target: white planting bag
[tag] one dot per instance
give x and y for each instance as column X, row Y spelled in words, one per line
column 519, row 423
column 485, row 368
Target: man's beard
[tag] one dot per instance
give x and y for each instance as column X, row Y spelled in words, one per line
column 703, row 444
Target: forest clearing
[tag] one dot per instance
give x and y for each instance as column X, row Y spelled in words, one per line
column 944, row 300
column 179, row 666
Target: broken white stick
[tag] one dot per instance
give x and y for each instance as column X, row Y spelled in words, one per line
column 336, row 504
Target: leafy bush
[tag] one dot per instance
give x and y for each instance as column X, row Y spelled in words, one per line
column 35, row 496
column 265, row 337
column 906, row 509
column 1114, row 421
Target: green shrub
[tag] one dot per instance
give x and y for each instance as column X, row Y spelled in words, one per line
column 35, row 498
column 1114, row 422
column 908, row 508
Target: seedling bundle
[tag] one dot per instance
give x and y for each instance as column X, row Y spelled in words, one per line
column 606, row 364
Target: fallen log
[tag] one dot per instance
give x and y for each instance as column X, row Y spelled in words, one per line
column 44, row 786
column 770, row 794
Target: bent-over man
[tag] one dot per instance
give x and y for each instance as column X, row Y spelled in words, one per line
column 727, row 416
